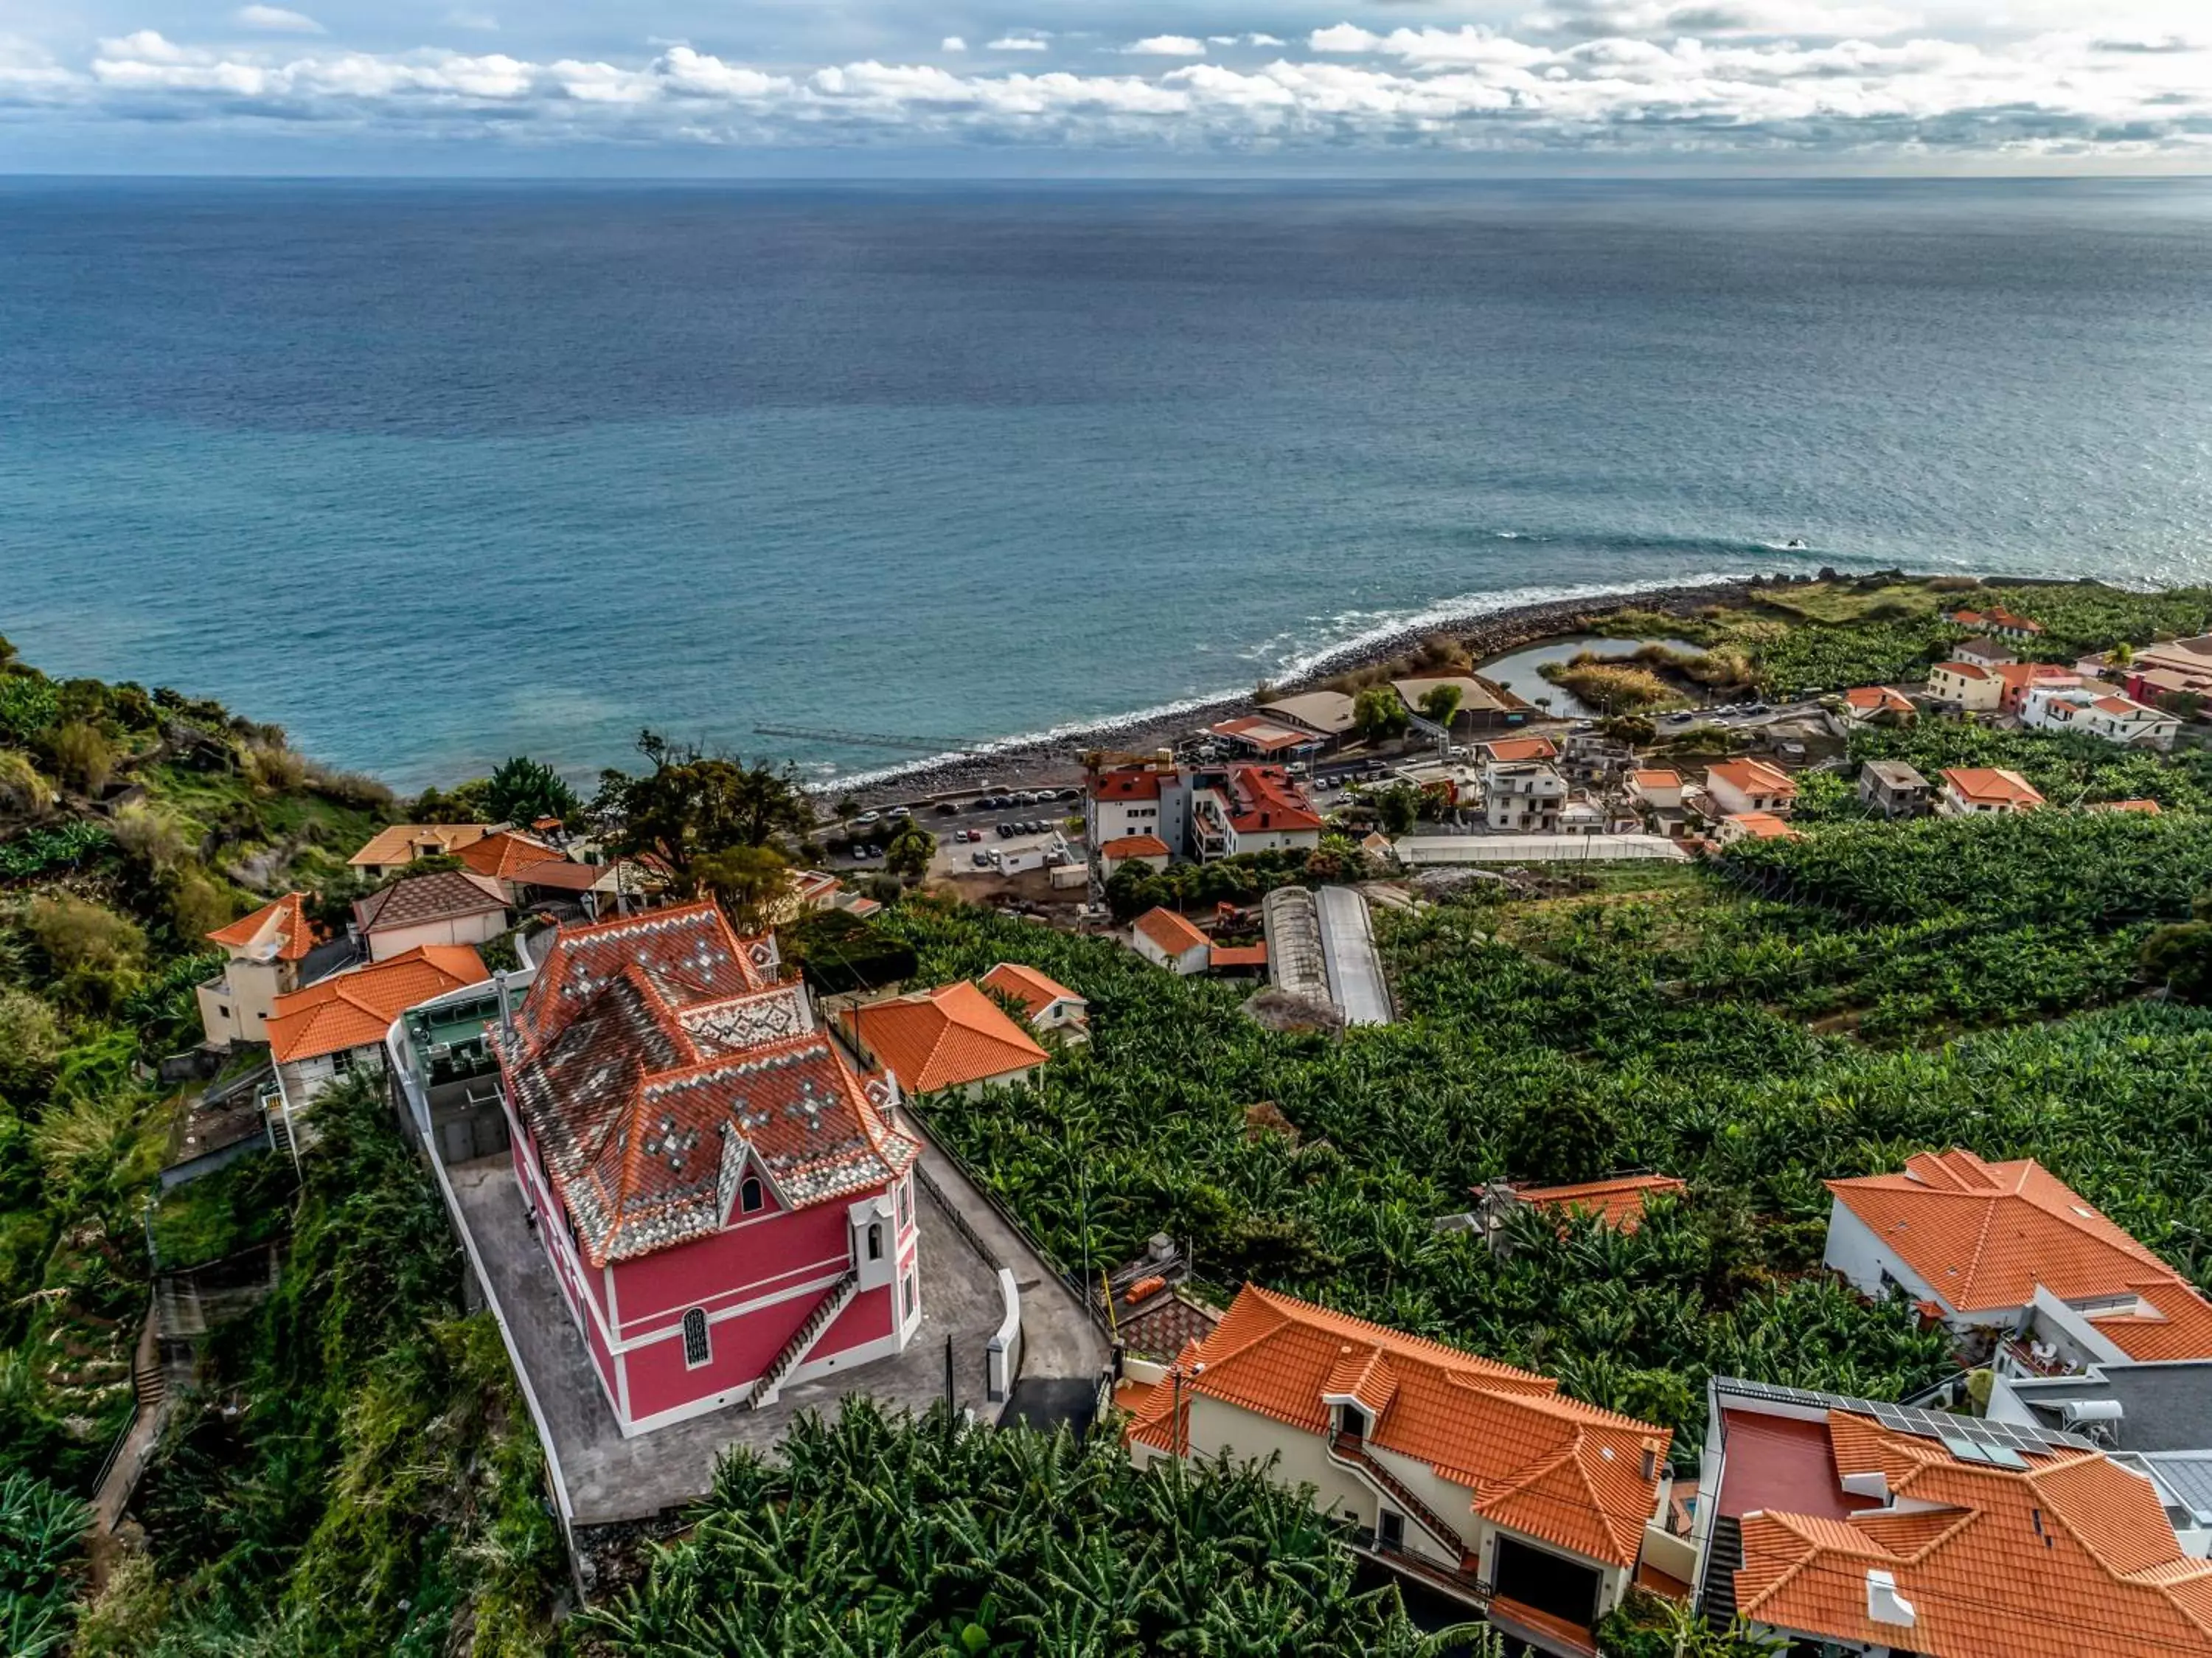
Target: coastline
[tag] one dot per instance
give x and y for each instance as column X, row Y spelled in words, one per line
column 1055, row 756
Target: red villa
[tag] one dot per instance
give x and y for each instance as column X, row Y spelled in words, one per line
column 727, row 1203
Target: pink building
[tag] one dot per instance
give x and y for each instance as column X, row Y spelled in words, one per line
column 727, row 1203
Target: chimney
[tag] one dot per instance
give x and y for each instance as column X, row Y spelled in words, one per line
column 1164, row 760
column 1884, row 1604
column 1650, row 1465
column 506, row 1004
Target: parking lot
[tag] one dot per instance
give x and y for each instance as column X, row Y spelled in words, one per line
column 961, row 827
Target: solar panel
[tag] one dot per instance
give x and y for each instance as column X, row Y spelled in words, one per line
column 2005, row 1457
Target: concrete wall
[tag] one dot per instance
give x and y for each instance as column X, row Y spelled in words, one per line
column 388, row 942
column 235, row 1007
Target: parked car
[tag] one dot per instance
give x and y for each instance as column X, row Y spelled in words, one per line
column 948, row 806
column 869, row 817
column 1006, row 831
column 1071, row 794
column 979, row 858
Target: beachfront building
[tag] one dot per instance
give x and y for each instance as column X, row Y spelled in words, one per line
column 452, row 906
column 269, row 955
column 1893, row 789
column 1151, row 799
column 1271, row 740
column 1251, row 808
column 1997, row 620
column 953, row 1040
column 1048, row 1005
column 1853, row 1529
column 726, row 1202
column 392, row 849
column 1463, row 1473
column 1968, row 790
column 1735, row 786
column 337, row 1026
column 1166, row 939
column 1522, row 796
column 1480, row 708
column 2103, row 714
column 1971, row 687
column 1329, row 715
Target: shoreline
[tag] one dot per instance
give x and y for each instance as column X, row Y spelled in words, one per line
column 1054, row 757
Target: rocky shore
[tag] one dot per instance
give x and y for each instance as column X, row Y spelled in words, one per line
column 1058, row 759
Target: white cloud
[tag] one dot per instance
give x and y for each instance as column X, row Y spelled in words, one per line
column 1265, row 41
column 275, row 20
column 952, row 43
column 1822, row 20
column 483, row 22
column 1166, row 46
column 1017, row 43
column 2060, row 93
column 1221, row 40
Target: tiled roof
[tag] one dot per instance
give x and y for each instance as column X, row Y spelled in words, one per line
column 1983, row 1236
column 1762, row 825
column 282, row 921
column 1874, row 698
column 355, row 1009
column 946, row 1038
column 1552, row 1469
column 659, row 1056
column 1263, row 797
column 2170, row 1320
column 404, row 842
column 2018, row 674
column 1238, row 956
column 2122, row 708
column 447, row 896
column 1752, row 776
column 1134, row 846
column 1330, row 711
column 1658, row 779
column 1264, row 735
column 1992, row 783
column 507, row 855
column 1618, row 1201
column 1523, row 748
column 1169, row 930
column 2148, row 807
column 1034, row 991
column 2072, row 1553
column 1964, row 670
column 1994, row 617
column 1130, row 782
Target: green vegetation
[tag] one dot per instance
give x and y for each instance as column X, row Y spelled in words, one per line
column 874, row 1535
column 41, row 1537
column 1378, row 711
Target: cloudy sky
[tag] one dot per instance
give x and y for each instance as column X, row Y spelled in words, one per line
column 1107, row 86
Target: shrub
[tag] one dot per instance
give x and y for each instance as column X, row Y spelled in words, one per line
column 95, row 952
column 23, row 792
column 149, row 839
column 83, row 756
column 28, row 705
column 30, row 1042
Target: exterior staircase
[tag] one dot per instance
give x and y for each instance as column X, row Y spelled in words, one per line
column 1716, row 1594
column 835, row 1300
column 1347, row 1449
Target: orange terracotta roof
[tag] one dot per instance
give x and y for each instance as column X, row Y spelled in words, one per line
column 1618, row 1201
column 946, row 1038
column 2017, row 675
column 2072, row 1554
column 2148, row 807
column 1266, row 735
column 505, row 856
column 355, row 1009
column 1238, row 956
column 1130, row 783
column 2170, row 1320
column 1983, row 1236
column 403, row 842
column 1134, row 846
column 1552, row 1469
column 282, row 921
column 1263, row 797
column 1169, row 930
column 1035, row 991
column 1522, row 748
column 1762, row 825
column 1964, row 670
column 1875, row 698
column 1658, row 779
column 1994, row 784
column 1753, row 776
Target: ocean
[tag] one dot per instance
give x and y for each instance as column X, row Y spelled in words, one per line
column 431, row 474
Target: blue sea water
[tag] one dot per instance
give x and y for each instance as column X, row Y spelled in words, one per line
column 432, row 474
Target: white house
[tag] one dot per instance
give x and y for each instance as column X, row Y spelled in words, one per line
column 1739, row 786
column 1450, row 1466
column 953, row 1039
column 454, row 906
column 1862, row 705
column 2104, row 714
column 1168, row 940
column 1138, row 800
column 1997, row 620
column 1049, row 1004
column 322, row 1032
column 1969, row 790
column 1973, row 686
column 1522, row 794
column 1252, row 808
column 1660, row 789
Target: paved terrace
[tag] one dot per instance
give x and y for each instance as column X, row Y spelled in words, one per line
column 606, row 1478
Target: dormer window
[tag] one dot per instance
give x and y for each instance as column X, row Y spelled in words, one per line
column 1352, row 1421
column 749, row 1195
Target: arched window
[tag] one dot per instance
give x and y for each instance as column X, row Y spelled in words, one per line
column 696, row 1350
column 875, row 1240
column 749, row 1195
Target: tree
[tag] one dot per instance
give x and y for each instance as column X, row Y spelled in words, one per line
column 1378, row 711
column 691, row 804
column 1442, row 703
column 2180, row 958
column 1398, row 807
column 908, row 855
column 523, row 790
column 2123, row 654
column 1559, row 1142
column 746, row 882
column 1634, row 729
